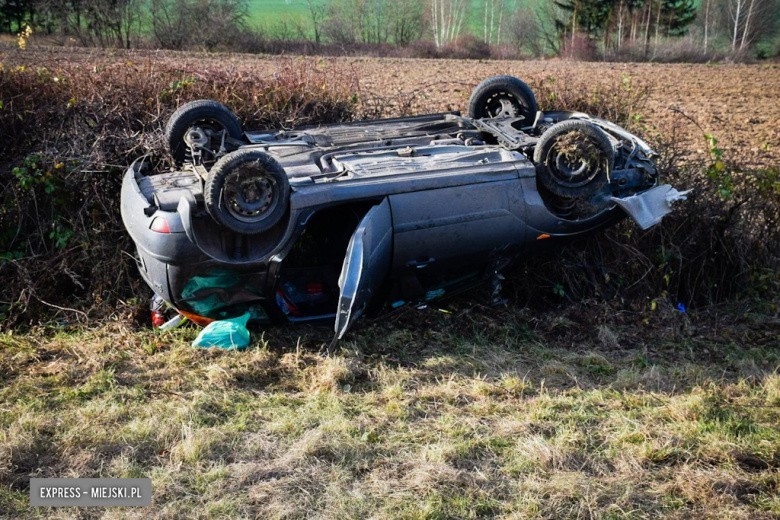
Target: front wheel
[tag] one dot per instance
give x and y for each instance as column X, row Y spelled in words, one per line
column 573, row 158
column 247, row 191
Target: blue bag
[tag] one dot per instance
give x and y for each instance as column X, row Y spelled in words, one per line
column 230, row 334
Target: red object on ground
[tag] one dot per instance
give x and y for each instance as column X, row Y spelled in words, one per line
column 158, row 319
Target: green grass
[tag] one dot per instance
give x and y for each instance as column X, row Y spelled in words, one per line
column 460, row 415
column 270, row 13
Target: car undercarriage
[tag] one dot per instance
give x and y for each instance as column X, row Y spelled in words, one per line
column 327, row 222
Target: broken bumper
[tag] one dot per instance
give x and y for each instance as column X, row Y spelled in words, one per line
column 649, row 207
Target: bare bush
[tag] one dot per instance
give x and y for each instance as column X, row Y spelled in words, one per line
column 447, row 18
column 686, row 49
column 580, row 47
column 78, row 125
column 422, row 49
column 205, row 24
column 524, row 33
column 721, row 244
column 466, row 47
column 375, row 22
column 717, row 247
column 616, row 100
column 77, row 128
column 104, row 23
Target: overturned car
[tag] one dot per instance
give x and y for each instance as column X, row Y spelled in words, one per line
column 327, row 222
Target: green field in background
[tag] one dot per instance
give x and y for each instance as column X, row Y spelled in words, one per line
column 272, row 13
column 268, row 12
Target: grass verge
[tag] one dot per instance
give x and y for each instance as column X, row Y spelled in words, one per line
column 457, row 414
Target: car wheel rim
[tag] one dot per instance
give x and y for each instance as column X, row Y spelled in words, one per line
column 574, row 168
column 503, row 104
column 250, row 195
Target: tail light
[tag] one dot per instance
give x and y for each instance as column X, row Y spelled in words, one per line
column 160, row 225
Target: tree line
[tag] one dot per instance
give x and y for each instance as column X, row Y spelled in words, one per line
column 638, row 28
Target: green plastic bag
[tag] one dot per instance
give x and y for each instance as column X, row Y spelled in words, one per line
column 230, row 334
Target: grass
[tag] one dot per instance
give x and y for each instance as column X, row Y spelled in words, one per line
column 269, row 13
column 475, row 413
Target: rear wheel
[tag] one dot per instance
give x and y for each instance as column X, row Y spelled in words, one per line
column 573, row 158
column 204, row 125
column 503, row 96
column 247, row 192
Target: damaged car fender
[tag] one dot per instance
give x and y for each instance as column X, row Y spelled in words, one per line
column 649, row 207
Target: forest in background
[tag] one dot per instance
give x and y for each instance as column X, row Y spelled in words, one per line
column 620, row 30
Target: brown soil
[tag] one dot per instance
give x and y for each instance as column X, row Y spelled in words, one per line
column 739, row 104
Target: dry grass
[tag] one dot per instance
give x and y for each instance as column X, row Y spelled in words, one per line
column 435, row 415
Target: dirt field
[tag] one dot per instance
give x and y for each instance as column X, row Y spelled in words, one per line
column 738, row 104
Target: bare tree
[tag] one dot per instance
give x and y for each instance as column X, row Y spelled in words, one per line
column 376, row 27
column 760, row 21
column 208, row 24
column 317, row 12
column 547, row 13
column 342, row 21
column 524, row 32
column 373, row 21
column 705, row 12
column 286, row 28
column 493, row 21
column 406, row 20
column 621, row 13
column 748, row 21
column 111, row 22
column 447, row 17
column 736, row 10
column 352, row 21
column 62, row 15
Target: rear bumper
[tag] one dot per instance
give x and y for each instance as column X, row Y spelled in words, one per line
column 178, row 271
column 138, row 215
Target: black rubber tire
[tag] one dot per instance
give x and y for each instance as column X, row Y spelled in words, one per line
column 547, row 161
column 482, row 103
column 260, row 167
column 193, row 112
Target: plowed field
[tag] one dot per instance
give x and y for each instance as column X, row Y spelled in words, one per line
column 738, row 104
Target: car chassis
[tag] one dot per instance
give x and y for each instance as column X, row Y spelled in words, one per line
column 327, row 222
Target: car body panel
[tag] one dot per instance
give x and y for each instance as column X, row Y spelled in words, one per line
column 366, row 264
column 413, row 208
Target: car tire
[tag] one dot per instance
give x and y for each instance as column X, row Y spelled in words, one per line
column 574, row 169
column 503, row 96
column 202, row 112
column 247, row 191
